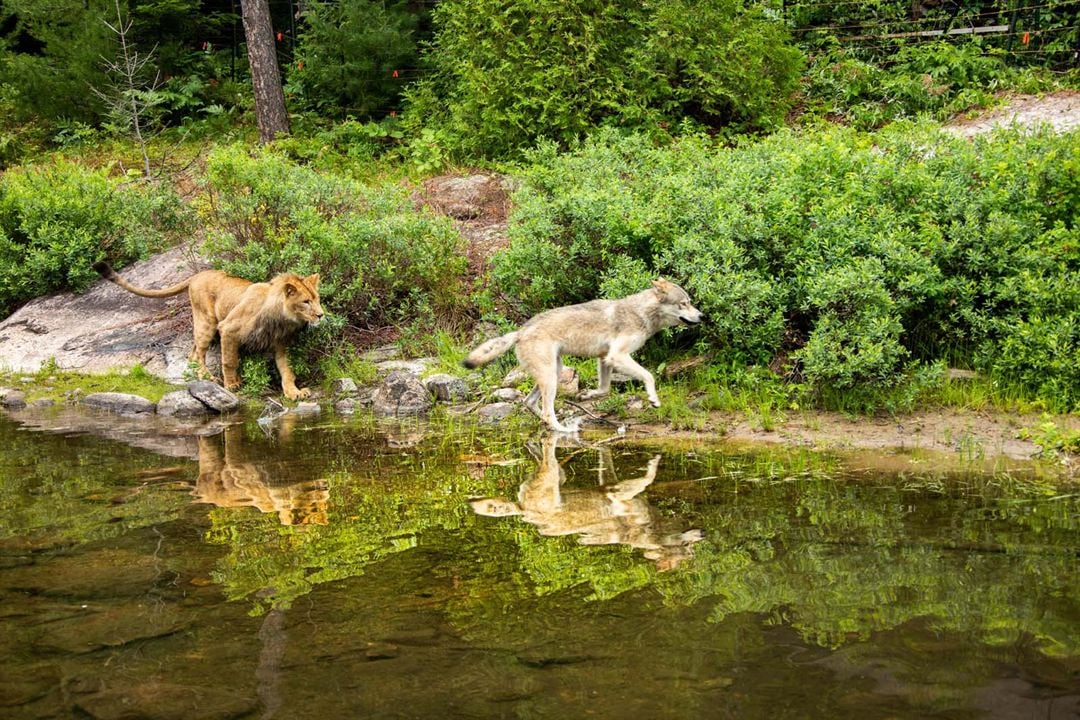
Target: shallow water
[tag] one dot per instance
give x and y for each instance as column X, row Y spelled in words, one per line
column 344, row 569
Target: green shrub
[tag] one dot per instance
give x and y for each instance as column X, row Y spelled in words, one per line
column 57, row 220
column 347, row 54
column 507, row 75
column 382, row 261
column 843, row 257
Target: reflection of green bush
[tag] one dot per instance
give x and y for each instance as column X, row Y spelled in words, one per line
column 839, row 559
column 850, row 255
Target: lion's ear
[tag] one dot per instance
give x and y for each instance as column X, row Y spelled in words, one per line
column 312, row 280
column 290, row 290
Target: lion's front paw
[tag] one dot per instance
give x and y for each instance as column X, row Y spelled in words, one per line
column 232, row 386
column 297, row 393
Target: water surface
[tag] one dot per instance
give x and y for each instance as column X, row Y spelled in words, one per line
column 345, row 569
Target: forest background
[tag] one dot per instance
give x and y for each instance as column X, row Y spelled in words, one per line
column 784, row 161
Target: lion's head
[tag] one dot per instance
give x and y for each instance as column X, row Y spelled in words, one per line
column 301, row 298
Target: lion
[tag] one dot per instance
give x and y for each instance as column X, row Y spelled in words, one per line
column 258, row 316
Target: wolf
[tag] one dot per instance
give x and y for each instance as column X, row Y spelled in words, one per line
column 609, row 330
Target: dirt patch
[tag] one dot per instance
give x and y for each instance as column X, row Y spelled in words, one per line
column 478, row 203
column 974, row 439
column 1059, row 110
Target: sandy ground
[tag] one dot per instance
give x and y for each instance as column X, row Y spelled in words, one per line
column 1060, row 110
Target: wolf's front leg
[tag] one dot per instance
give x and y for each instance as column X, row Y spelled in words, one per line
column 626, row 364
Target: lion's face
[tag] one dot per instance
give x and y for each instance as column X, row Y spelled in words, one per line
column 302, row 299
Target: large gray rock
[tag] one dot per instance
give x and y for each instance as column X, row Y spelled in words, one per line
column 107, row 327
column 344, row 387
column 213, row 396
column 120, row 403
column 446, row 388
column 12, row 399
column 506, row 394
column 181, row 403
column 401, row 393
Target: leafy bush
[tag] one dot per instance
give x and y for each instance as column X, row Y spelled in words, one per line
column 505, row 76
column 842, row 256
column 347, row 54
column 382, row 262
column 56, row 221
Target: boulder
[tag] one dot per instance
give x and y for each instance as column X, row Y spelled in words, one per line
column 496, row 412
column 343, row 387
column 12, row 399
column 446, row 388
column 107, row 327
column 213, row 396
column 119, row 403
column 401, row 393
column 181, row 403
column 507, row 395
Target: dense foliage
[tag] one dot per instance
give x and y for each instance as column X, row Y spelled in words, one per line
column 505, row 75
column 849, row 255
column 57, row 220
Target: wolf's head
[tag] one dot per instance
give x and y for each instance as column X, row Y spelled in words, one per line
column 675, row 304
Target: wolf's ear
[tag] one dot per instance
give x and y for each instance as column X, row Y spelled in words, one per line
column 313, row 281
column 661, row 285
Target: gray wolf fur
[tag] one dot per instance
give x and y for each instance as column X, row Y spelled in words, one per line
column 609, row 330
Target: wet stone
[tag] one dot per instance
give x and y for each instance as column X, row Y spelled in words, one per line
column 42, row 403
column 12, row 399
column 167, row 701
column 181, row 403
column 100, row 574
column 120, row 403
column 307, row 408
column 506, row 394
column 98, row 628
column 446, row 388
column 382, row 354
column 343, row 387
column 401, row 393
column 213, row 396
column 495, row 412
column 347, row 406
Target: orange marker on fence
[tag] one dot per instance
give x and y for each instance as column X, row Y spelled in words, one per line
column 1026, row 38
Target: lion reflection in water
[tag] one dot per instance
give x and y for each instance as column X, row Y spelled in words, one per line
column 229, row 478
column 605, row 515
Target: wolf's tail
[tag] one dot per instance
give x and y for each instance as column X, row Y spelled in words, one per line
column 490, row 350
column 106, row 271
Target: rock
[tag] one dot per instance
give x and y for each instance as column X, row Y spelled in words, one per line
column 464, row 198
column 414, row 367
column 401, row 393
column 496, row 412
column 382, row 354
column 446, row 388
column 12, row 399
column 677, row 367
column 343, row 387
column 181, row 403
column 107, row 327
column 568, row 381
column 515, row 377
column 307, row 409
column 162, row 700
column 213, row 396
column 507, row 394
column 347, row 406
column 41, row 403
column 120, row 403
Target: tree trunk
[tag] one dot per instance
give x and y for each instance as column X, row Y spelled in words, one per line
column 265, row 77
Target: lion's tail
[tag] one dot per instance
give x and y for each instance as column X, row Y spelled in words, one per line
column 106, row 271
column 490, row 350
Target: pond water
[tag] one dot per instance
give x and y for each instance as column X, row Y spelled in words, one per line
column 339, row 568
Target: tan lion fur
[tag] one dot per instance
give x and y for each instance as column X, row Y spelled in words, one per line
column 258, row 316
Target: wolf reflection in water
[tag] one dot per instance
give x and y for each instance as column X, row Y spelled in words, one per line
column 230, row 477
column 602, row 515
